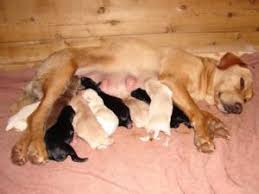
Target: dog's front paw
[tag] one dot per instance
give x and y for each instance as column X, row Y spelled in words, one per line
column 204, row 143
column 18, row 155
column 19, row 152
column 222, row 133
column 37, row 153
column 215, row 126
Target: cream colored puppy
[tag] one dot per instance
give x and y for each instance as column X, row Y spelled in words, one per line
column 104, row 115
column 19, row 120
column 138, row 111
column 160, row 109
column 86, row 126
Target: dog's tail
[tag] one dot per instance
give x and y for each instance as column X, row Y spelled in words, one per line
column 73, row 155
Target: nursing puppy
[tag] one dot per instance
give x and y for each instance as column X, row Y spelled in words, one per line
column 113, row 103
column 59, row 137
column 160, row 108
column 19, row 120
column 178, row 115
column 86, row 125
column 138, row 111
column 104, row 116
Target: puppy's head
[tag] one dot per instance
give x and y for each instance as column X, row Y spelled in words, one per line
column 67, row 113
column 142, row 95
column 233, row 86
column 87, row 83
column 58, row 154
column 125, row 118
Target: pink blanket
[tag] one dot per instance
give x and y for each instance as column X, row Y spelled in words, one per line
column 132, row 166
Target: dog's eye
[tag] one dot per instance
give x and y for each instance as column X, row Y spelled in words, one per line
column 242, row 83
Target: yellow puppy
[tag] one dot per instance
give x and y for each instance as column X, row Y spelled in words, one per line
column 160, row 109
column 86, row 125
column 138, row 111
column 104, row 116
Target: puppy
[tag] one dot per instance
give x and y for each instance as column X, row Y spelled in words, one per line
column 19, row 120
column 86, row 125
column 138, row 111
column 112, row 102
column 60, row 135
column 160, row 108
column 178, row 115
column 104, row 116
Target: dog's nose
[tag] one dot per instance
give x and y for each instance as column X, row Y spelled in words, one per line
column 237, row 109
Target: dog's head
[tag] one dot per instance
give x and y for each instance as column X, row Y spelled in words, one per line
column 233, row 84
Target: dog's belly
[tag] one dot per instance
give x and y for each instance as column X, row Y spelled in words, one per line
column 118, row 84
column 125, row 64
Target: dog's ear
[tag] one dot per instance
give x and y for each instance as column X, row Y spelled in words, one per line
column 228, row 60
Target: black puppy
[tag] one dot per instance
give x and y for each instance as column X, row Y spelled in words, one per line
column 115, row 104
column 178, row 115
column 59, row 136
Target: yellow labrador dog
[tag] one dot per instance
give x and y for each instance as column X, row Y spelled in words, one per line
column 226, row 83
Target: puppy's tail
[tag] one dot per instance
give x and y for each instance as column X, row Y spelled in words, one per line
column 73, row 155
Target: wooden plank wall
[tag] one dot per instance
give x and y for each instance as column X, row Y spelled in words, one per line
column 31, row 29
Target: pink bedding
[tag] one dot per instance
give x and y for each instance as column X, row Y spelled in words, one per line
column 132, row 166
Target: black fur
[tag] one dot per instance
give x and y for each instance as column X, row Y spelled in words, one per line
column 59, row 136
column 142, row 95
column 115, row 104
column 178, row 115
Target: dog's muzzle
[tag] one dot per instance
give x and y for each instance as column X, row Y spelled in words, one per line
column 236, row 108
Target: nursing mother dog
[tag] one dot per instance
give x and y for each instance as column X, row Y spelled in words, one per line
column 226, row 83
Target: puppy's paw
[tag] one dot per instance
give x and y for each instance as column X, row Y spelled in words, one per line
column 19, row 153
column 37, row 153
column 145, row 138
column 105, row 143
column 102, row 144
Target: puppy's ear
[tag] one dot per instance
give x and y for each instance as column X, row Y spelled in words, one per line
column 228, row 60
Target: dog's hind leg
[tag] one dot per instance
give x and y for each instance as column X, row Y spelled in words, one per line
column 54, row 84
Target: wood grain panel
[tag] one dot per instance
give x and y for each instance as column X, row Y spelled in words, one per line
column 32, row 29
column 194, row 42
